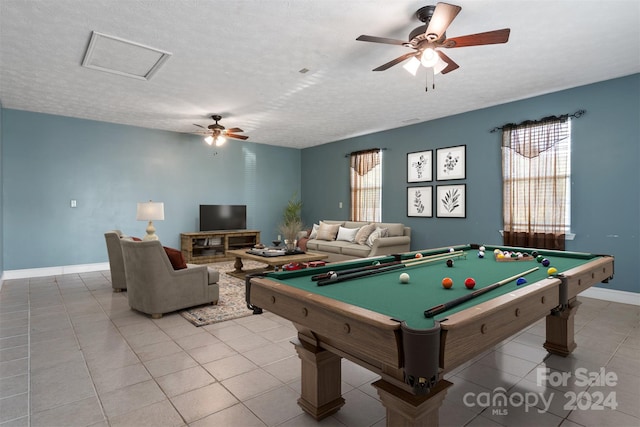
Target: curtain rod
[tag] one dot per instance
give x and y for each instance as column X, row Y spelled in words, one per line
column 575, row 115
column 364, row 151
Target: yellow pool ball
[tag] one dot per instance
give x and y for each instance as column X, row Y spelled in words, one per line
column 551, row 271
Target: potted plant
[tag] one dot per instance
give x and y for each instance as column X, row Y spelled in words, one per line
column 291, row 224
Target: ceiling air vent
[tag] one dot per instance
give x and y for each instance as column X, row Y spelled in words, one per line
column 123, row 57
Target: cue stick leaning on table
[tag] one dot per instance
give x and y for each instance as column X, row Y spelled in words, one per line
column 382, row 268
column 447, row 305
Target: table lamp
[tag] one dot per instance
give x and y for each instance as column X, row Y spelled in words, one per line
column 150, row 211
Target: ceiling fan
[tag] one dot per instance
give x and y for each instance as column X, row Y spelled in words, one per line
column 218, row 133
column 427, row 39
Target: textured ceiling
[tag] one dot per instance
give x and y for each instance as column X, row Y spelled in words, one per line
column 241, row 59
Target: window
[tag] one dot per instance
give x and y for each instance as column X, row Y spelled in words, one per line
column 366, row 185
column 536, row 165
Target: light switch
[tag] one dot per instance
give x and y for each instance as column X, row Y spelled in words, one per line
column 340, row 205
column 74, row 203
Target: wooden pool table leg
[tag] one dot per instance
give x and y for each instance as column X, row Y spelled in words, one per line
column 560, row 330
column 321, row 375
column 405, row 409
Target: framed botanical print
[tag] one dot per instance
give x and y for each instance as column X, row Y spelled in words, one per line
column 420, row 166
column 451, row 163
column 451, row 201
column 419, row 201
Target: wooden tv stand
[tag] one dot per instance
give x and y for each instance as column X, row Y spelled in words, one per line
column 211, row 246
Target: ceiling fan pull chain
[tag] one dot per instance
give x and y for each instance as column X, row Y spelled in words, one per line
column 433, row 79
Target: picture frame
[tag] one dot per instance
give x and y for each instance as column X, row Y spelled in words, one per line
column 420, row 166
column 451, row 163
column 451, row 201
column 420, row 201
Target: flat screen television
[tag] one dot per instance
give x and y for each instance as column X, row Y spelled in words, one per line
column 223, row 217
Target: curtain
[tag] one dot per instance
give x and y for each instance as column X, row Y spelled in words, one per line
column 536, row 176
column 366, row 185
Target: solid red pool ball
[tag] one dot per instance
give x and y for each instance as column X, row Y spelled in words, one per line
column 447, row 282
column 469, row 282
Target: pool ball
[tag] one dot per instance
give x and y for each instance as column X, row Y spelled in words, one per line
column 521, row 281
column 500, row 255
column 545, row 262
column 480, row 254
column 551, row 271
column 449, row 263
column 469, row 282
column 482, row 248
column 375, row 263
column 418, row 255
column 539, row 258
column 534, row 254
column 497, row 251
column 447, row 282
column 404, row 278
column 451, row 250
column 332, row 275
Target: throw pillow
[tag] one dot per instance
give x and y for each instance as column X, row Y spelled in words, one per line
column 378, row 232
column 347, row 234
column 327, row 231
column 314, row 231
column 176, row 258
column 364, row 232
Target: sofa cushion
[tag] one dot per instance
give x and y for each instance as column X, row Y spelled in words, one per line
column 363, row 234
column 395, row 228
column 356, row 250
column 377, row 233
column 347, row 234
column 176, row 258
column 327, row 231
column 314, row 231
column 312, row 244
column 331, row 247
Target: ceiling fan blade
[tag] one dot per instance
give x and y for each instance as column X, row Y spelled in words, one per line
column 234, row 130
column 374, row 39
column 442, row 17
column 490, row 37
column 199, row 126
column 451, row 65
column 231, row 135
column 395, row 61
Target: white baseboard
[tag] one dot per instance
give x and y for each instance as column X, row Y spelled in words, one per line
column 54, row 271
column 612, row 295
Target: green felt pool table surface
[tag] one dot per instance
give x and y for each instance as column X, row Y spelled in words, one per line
column 385, row 294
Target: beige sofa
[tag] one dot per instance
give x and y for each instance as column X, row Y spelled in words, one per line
column 155, row 287
column 397, row 240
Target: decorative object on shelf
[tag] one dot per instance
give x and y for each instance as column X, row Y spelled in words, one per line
column 291, row 224
column 420, row 166
column 419, row 201
column 276, row 243
column 451, row 201
column 451, row 163
column 150, row 211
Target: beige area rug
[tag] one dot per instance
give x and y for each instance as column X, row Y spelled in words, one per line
column 232, row 304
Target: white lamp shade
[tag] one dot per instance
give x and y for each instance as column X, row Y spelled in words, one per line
column 150, row 211
column 412, row 65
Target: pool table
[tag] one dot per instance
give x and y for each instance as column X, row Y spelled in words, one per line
column 380, row 323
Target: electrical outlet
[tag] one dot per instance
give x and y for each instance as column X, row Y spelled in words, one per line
column 340, row 205
column 74, row 203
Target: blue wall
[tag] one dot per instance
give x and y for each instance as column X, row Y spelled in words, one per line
column 605, row 172
column 49, row 160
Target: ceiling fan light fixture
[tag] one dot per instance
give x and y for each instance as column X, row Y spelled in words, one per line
column 440, row 65
column 209, row 139
column 412, row 65
column 429, row 57
column 220, row 140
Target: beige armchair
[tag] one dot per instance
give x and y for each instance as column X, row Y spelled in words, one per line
column 116, row 262
column 155, row 288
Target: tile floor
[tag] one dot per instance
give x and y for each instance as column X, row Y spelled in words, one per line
column 72, row 353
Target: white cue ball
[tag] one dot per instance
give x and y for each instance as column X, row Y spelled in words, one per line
column 333, row 275
column 404, row 278
column 482, row 248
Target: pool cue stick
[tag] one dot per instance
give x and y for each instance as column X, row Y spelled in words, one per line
column 447, row 305
column 359, row 274
column 410, row 261
column 431, row 258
